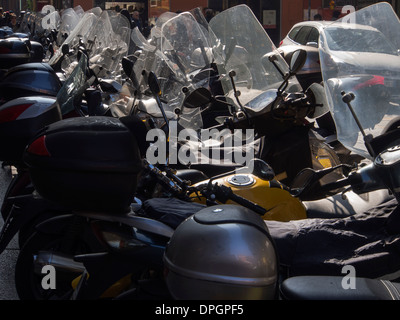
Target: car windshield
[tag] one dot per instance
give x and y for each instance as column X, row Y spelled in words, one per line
column 360, row 40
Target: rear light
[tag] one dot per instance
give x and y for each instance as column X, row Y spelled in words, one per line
column 12, row 113
column 280, row 43
column 38, row 147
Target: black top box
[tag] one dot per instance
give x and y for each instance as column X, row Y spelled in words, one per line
column 87, row 163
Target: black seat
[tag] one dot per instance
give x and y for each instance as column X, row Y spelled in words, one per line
column 331, row 288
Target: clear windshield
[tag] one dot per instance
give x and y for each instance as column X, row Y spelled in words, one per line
column 73, row 87
column 108, row 42
column 359, row 55
column 105, row 35
column 240, row 44
column 175, row 53
column 69, row 20
column 185, row 44
column 81, row 31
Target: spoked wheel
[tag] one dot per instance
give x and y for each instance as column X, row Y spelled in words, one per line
column 44, row 249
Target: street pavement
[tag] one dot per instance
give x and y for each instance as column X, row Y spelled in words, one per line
column 9, row 256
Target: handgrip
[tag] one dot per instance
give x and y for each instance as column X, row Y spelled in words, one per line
column 248, row 204
column 226, row 193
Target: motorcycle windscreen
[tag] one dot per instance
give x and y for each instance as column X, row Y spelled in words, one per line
column 69, row 95
column 359, row 54
column 81, row 31
column 108, row 42
column 245, row 48
column 187, row 54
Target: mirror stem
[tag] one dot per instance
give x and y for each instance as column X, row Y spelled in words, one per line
column 347, row 98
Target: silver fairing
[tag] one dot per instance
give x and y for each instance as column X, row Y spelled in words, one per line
column 39, row 105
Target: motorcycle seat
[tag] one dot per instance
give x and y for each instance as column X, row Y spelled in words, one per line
column 338, row 207
column 332, row 288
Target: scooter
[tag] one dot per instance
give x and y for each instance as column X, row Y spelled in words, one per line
column 22, row 118
column 19, row 83
column 346, row 258
column 255, row 74
column 200, row 238
column 20, row 191
column 50, row 195
column 96, row 31
column 138, row 253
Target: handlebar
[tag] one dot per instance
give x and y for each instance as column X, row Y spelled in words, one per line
column 219, row 192
column 289, row 106
column 366, row 179
column 224, row 193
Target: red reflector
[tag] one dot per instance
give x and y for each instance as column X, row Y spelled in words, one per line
column 12, row 113
column 38, row 147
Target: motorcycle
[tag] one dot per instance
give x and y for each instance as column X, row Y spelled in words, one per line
column 78, row 97
column 23, row 117
column 126, row 236
column 255, row 275
column 315, row 254
column 102, row 35
column 285, row 134
column 19, row 80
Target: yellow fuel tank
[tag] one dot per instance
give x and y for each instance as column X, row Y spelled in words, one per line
column 271, row 195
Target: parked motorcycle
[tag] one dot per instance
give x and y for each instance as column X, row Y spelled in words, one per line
column 193, row 60
column 218, row 279
column 316, row 254
column 86, row 92
column 146, row 240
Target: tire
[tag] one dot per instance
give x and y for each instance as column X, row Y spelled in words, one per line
column 28, row 282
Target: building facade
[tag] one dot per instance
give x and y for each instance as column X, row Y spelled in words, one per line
column 277, row 16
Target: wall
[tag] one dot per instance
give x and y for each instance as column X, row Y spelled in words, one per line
column 292, row 12
column 296, row 11
column 85, row 4
column 185, row 5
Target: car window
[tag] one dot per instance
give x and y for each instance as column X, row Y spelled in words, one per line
column 313, row 35
column 359, row 40
column 292, row 34
column 302, row 35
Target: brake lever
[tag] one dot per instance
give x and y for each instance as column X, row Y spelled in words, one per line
column 224, row 193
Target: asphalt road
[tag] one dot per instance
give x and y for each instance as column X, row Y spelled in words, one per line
column 9, row 256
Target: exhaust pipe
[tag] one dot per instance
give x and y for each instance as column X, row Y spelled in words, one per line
column 59, row 261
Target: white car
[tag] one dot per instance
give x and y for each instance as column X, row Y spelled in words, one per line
column 305, row 35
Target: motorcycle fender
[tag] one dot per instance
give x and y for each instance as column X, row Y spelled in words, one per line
column 54, row 225
column 24, row 209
